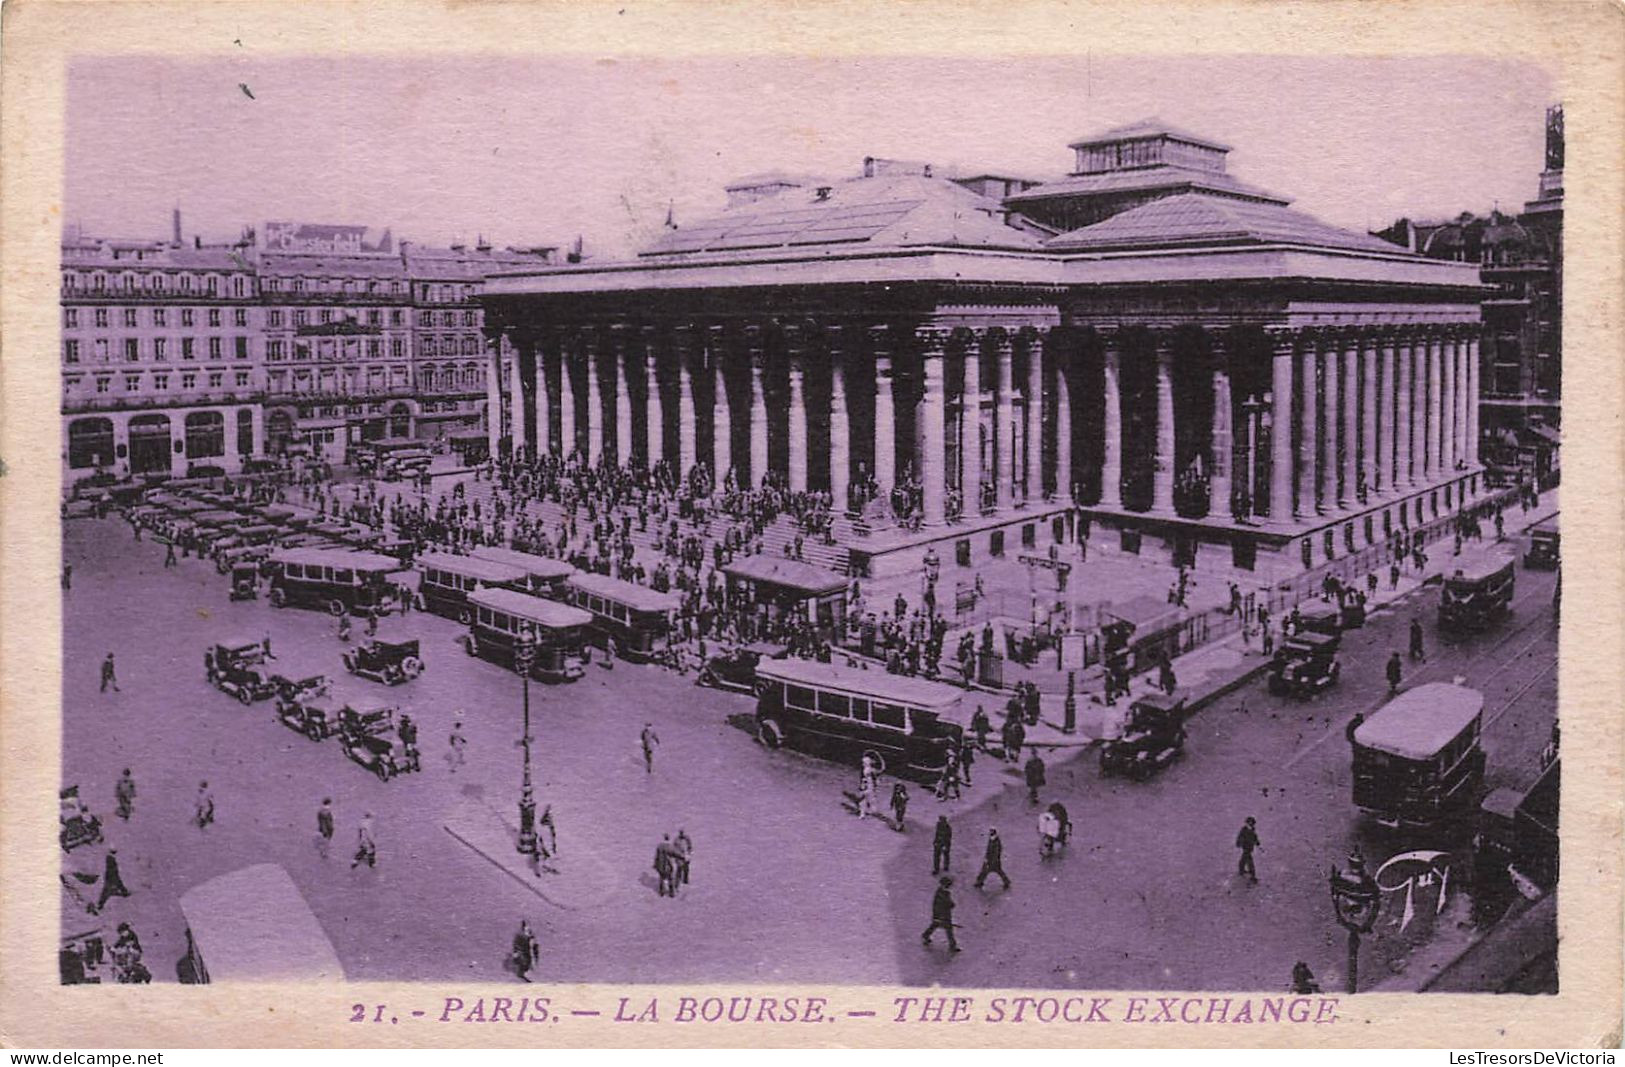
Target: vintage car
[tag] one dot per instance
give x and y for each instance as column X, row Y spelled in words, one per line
column 1318, row 617
column 235, row 667
column 736, row 670
column 304, row 704
column 390, row 662
column 227, row 560
column 373, row 738
column 1305, row 664
column 245, row 581
column 1153, row 737
column 1545, row 544
column 77, row 825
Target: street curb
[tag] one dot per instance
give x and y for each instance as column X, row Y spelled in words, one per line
column 504, row 868
column 1227, row 688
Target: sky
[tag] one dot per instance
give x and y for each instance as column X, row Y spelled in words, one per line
column 539, row 151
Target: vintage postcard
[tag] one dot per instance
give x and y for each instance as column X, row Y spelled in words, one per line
column 577, row 524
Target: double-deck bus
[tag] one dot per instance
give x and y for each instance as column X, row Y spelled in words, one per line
column 337, row 580
column 501, row 615
column 1478, row 592
column 544, row 576
column 841, row 712
column 448, row 580
column 633, row 616
column 1417, row 759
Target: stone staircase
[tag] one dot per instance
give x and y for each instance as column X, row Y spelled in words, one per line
column 783, row 533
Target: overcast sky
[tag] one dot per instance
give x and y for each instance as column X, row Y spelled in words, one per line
column 538, row 151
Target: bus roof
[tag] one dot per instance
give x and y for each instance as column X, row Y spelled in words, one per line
column 532, row 564
column 1479, row 566
column 636, row 597
column 1418, row 723
column 337, row 557
column 483, row 569
column 549, row 614
column 929, row 696
column 253, row 925
column 1545, row 526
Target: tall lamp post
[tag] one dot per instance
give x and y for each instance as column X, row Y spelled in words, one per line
column 1356, row 900
column 524, row 654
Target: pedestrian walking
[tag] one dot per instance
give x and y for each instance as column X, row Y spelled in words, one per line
column 967, row 756
column 1395, row 672
column 1269, row 639
column 899, row 804
column 1393, row 575
column 1034, row 773
column 109, row 674
column 1015, row 735
column 372, row 624
column 112, row 882
column 1303, row 980
column 124, row 793
column 664, row 868
column 324, row 827
column 366, row 843
column 948, row 782
column 981, row 727
column 1247, row 841
column 993, row 861
column 649, row 739
column 682, row 848
column 1417, row 651
column 942, row 845
column 265, row 646
column 455, row 745
column 203, row 807
column 942, row 914
column 525, row 951
column 169, row 554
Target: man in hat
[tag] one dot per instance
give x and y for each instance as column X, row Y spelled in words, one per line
column 112, row 882
column 993, row 860
column 366, row 843
column 942, row 914
column 203, row 813
column 109, row 674
column 324, row 826
column 942, row 845
column 525, row 951
column 124, row 793
column 1247, row 841
column 1395, row 672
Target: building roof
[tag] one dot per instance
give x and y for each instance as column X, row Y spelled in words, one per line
column 1165, row 176
column 468, row 264
column 1197, row 219
column 890, row 210
column 1419, row 722
column 793, row 574
column 1145, row 129
column 357, row 265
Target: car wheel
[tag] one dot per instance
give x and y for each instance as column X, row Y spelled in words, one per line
column 279, row 599
column 381, row 770
column 465, row 616
column 335, row 607
column 771, row 734
column 245, row 695
column 411, row 667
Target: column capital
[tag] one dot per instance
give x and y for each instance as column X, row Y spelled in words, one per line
column 1163, row 338
column 1284, row 340
column 1109, row 334
column 880, row 341
column 753, row 337
column 796, row 337
column 931, row 339
column 1220, row 339
column 836, row 339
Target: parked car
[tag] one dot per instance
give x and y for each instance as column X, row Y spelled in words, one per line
column 736, row 669
column 373, row 738
column 390, row 662
column 1153, row 737
column 1305, row 664
column 306, row 705
column 236, row 667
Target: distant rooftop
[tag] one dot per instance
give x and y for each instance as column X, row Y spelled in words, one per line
column 1195, row 219
column 1145, row 129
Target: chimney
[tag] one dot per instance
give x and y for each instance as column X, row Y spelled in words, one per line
column 176, row 237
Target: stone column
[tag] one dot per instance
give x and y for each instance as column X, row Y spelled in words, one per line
column 1402, row 379
column 721, row 410
column 885, row 416
column 1435, row 407
column 933, row 411
column 1063, row 434
column 1219, row 484
column 687, row 421
column 568, row 443
column 1309, row 419
column 595, row 399
column 797, row 426
column 970, row 430
column 493, row 390
column 840, row 430
column 1281, row 348
column 623, row 403
column 544, row 421
column 1387, row 475
column 758, row 406
column 1329, row 383
column 1419, row 407
column 1111, row 464
column 1347, row 496
column 1162, row 485
column 1035, row 420
column 516, row 402
column 1004, row 428
column 1472, row 400
column 1459, row 390
column 1447, row 400
column 1368, row 414
column 654, row 408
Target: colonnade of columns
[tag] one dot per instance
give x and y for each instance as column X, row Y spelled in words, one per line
column 1341, row 416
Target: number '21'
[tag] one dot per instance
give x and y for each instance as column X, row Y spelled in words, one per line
column 360, row 1015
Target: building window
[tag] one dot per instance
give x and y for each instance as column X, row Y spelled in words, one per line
column 187, row 317
column 242, row 379
column 425, row 318
column 245, row 432
column 274, row 317
column 241, row 347
column 213, row 284
column 205, row 435
column 132, row 382
column 104, row 382
column 160, row 349
column 160, row 316
column 216, row 379
column 326, row 315
column 273, row 351
column 214, row 348
column 468, row 318
column 99, row 282
column 130, row 321
column 429, row 347
column 375, row 317
column 70, row 351
column 395, row 317
column 101, row 318
column 375, row 348
column 70, row 318
column 237, row 288
column 101, row 350
column 189, row 380
column 187, row 348
column 214, row 314
column 132, row 350
column 160, row 381
column 301, row 317
column 186, row 283
column 69, row 283
column 239, row 317
column 449, row 318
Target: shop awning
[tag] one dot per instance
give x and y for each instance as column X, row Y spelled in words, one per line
column 805, row 578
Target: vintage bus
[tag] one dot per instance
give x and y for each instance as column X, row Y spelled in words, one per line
column 633, row 616
column 841, row 712
column 334, row 579
column 1478, row 592
column 544, row 576
column 500, row 615
column 1417, row 759
column 253, row 925
column 448, row 580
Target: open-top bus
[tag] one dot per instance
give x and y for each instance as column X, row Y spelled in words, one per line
column 501, row 615
column 841, row 712
column 634, row 616
column 334, row 579
column 1418, row 758
column 544, row 575
column 1478, row 592
column 448, row 580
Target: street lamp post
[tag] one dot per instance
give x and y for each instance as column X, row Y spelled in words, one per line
column 1355, row 900
column 524, row 654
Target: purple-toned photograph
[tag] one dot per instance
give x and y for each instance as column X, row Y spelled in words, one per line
column 1080, row 523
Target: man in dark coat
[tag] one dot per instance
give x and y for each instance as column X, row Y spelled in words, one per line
column 109, row 674
column 112, row 882
column 993, row 861
column 942, row 915
column 1417, row 652
column 1395, row 672
column 942, row 845
column 664, row 868
column 525, row 951
column 1015, row 735
column 324, row 826
column 1035, row 778
column 1247, row 841
column 124, row 793
column 981, row 726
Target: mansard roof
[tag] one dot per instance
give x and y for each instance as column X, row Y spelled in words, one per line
column 1195, row 219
